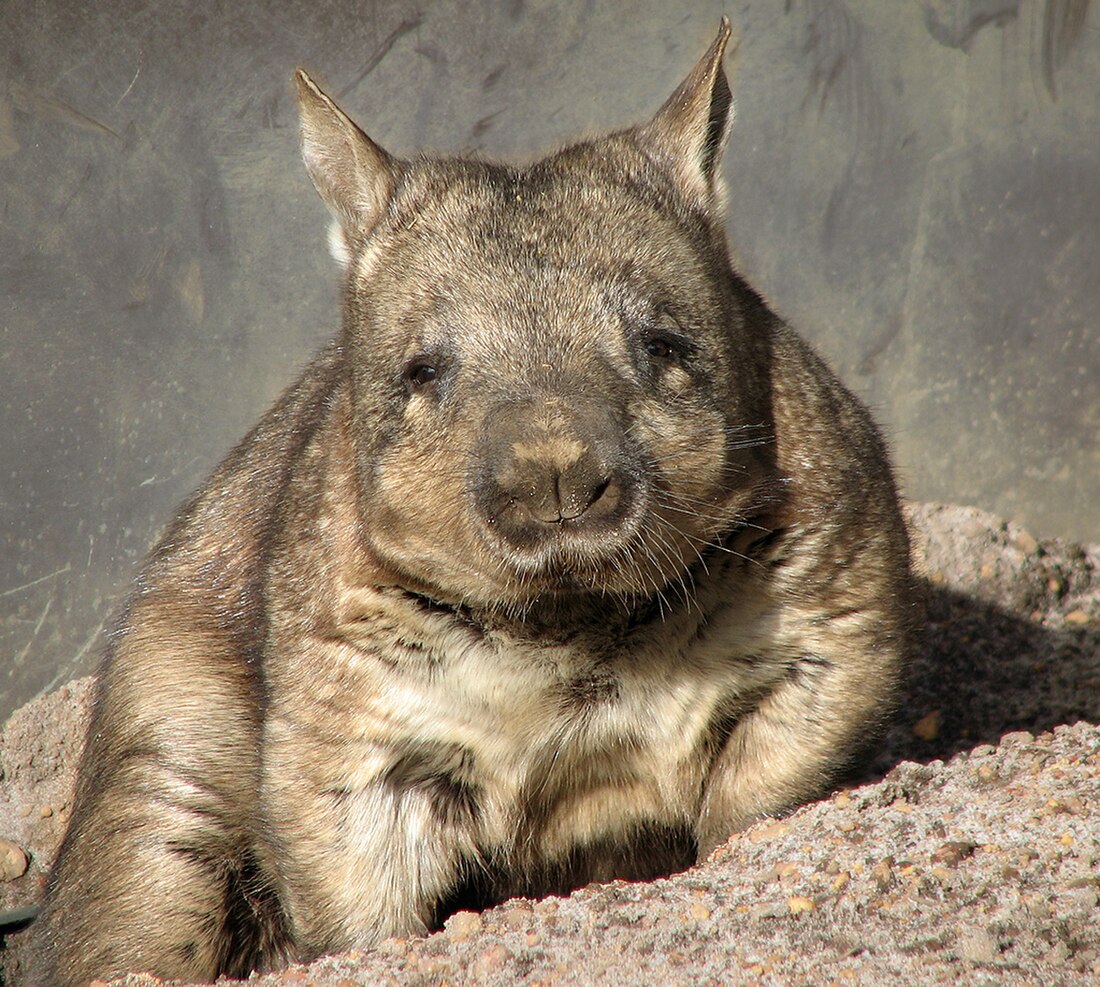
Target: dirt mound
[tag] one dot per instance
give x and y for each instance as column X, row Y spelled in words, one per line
column 970, row 847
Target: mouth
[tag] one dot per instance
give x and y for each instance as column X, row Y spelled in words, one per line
column 622, row 564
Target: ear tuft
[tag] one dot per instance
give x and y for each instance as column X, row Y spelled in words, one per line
column 689, row 133
column 354, row 176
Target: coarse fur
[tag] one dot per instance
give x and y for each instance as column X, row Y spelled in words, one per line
column 563, row 562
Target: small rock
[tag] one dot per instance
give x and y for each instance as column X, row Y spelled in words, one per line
column 928, row 726
column 517, row 918
column 1026, row 543
column 762, row 834
column 491, row 960
column 1039, row 910
column 949, row 854
column 1058, row 954
column 433, row 966
column 13, row 861
column 769, row 909
column 798, row 904
column 782, row 870
column 1081, row 901
column 699, row 912
column 883, row 873
column 462, row 925
column 977, row 945
column 1077, row 618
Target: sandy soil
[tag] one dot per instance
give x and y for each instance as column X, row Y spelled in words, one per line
column 968, row 851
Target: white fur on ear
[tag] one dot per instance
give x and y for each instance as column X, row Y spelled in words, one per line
column 338, row 244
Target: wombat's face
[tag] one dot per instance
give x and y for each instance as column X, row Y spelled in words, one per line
column 553, row 389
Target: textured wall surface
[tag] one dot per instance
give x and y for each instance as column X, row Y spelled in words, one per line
column 916, row 185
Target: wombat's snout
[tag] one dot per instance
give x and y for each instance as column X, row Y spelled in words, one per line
column 552, row 470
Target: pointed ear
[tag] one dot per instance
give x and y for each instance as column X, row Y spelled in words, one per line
column 354, row 176
column 689, row 132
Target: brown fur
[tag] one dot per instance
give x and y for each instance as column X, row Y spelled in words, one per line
column 563, row 562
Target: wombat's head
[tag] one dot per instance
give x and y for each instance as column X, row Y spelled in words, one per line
column 556, row 387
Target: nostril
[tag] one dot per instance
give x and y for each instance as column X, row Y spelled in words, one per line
column 599, row 491
column 580, row 491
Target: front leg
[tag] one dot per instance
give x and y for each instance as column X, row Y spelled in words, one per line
column 370, row 839
column 159, row 871
column 833, row 701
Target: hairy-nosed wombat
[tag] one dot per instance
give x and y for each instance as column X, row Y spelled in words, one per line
column 563, row 562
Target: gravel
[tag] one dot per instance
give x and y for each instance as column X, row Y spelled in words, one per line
column 967, row 851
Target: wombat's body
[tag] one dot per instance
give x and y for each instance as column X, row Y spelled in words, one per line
column 564, row 562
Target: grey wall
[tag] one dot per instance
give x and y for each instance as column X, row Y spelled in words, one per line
column 916, row 184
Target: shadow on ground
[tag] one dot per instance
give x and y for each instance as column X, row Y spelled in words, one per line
column 983, row 671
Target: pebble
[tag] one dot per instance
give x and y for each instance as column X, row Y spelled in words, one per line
column 517, row 918
column 433, row 966
column 883, row 873
column 762, row 834
column 1078, row 618
column 1081, row 901
column 977, row 945
column 782, row 870
column 490, row 960
column 462, row 925
column 769, row 909
column 928, row 726
column 13, row 861
column 1026, row 542
column 949, row 854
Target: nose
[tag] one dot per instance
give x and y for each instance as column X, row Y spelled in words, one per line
column 554, row 478
column 548, row 465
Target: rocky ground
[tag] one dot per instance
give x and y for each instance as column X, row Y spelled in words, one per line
column 968, row 852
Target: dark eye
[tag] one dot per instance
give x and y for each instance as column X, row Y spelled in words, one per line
column 420, row 374
column 659, row 348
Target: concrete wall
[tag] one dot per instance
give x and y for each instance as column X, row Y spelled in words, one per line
column 915, row 184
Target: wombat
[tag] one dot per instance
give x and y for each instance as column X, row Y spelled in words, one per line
column 563, row 562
